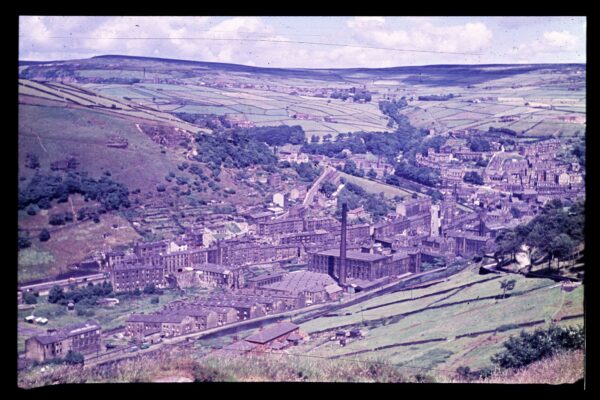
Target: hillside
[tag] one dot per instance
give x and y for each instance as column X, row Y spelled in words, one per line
column 562, row 368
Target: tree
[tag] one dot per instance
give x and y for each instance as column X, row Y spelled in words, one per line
column 137, row 292
column 56, row 294
column 372, row 174
column 561, row 247
column 527, row 348
column 44, row 235
column 23, row 241
column 57, row 219
column 479, row 144
column 328, row 188
column 30, row 298
column 507, row 285
column 149, row 289
column 473, row 177
column 74, row 357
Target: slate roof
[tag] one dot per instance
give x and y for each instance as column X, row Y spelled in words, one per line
column 68, row 331
column 272, row 332
column 353, row 255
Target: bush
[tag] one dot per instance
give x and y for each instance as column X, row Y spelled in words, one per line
column 23, row 242
column 155, row 300
column 56, row 294
column 56, row 219
column 30, row 298
column 73, row 357
column 44, row 235
column 149, row 289
column 527, row 348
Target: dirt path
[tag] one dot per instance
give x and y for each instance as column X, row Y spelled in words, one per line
column 41, row 144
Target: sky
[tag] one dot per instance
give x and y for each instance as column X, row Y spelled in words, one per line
column 309, row 42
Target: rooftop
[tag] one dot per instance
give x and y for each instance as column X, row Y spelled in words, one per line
column 354, row 255
column 272, row 333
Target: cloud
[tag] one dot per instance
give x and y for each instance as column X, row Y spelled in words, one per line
column 360, row 23
column 551, row 46
column 426, row 36
column 257, row 41
column 559, row 39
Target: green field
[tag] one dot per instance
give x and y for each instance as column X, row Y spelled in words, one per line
column 377, row 187
column 545, row 301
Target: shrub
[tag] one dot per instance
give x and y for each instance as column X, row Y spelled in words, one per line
column 73, row 357
column 30, row 298
column 155, row 300
column 527, row 348
column 44, row 235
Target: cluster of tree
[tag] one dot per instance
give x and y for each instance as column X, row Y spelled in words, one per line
column 152, row 289
column 436, row 97
column 42, row 189
column 351, row 168
column 392, row 110
column 579, row 152
column 234, row 150
column 357, row 95
column 407, row 140
column 473, row 177
column 527, row 348
column 328, row 188
column 555, row 232
column 275, row 135
column 465, row 373
column 482, row 162
column 355, row 196
column 306, row 171
column 87, row 295
column 60, row 218
column 423, row 175
column 502, row 130
column 479, row 144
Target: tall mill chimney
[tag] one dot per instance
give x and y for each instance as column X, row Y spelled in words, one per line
column 342, row 275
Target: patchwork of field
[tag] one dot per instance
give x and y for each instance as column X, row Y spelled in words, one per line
column 532, row 98
column 84, row 97
column 254, row 105
column 414, row 316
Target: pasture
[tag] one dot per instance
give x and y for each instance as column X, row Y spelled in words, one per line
column 464, row 310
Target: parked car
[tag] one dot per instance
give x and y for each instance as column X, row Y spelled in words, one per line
column 133, row 349
column 145, row 346
column 110, row 346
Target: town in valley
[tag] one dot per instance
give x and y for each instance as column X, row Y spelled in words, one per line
column 181, row 219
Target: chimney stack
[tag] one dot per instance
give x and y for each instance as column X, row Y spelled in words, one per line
column 342, row 274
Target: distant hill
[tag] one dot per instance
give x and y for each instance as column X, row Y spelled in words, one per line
column 435, row 75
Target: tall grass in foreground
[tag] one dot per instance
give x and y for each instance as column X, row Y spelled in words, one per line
column 217, row 368
column 561, row 368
